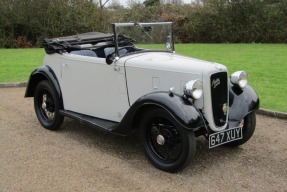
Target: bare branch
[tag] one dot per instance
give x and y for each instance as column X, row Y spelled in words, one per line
column 103, row 4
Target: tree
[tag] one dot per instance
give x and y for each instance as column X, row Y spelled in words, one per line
column 148, row 3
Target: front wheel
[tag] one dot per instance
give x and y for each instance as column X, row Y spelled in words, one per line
column 166, row 144
column 248, row 125
column 47, row 105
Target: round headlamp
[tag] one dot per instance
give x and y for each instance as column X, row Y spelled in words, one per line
column 193, row 89
column 239, row 78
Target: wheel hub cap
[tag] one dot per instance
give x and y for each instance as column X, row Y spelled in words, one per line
column 44, row 105
column 47, row 106
column 160, row 140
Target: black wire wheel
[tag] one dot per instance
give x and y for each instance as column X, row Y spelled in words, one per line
column 166, row 144
column 248, row 124
column 47, row 105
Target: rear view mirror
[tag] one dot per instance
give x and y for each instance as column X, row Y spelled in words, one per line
column 146, row 29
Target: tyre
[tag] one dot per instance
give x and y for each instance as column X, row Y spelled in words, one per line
column 248, row 125
column 166, row 144
column 47, row 105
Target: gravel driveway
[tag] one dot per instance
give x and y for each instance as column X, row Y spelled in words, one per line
column 81, row 158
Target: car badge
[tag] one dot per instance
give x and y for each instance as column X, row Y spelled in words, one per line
column 215, row 83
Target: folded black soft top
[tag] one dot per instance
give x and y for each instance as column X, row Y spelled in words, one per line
column 84, row 38
column 69, row 43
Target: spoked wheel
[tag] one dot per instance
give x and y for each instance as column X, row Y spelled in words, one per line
column 248, row 125
column 47, row 105
column 167, row 145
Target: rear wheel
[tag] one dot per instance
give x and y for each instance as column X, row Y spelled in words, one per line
column 47, row 105
column 166, row 144
column 248, row 125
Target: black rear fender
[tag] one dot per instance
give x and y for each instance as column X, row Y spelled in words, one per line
column 40, row 74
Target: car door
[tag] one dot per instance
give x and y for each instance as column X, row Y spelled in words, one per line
column 91, row 87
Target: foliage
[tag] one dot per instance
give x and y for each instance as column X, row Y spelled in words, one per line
column 216, row 21
column 22, row 42
column 36, row 19
column 148, row 3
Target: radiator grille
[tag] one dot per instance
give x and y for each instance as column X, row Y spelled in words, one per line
column 219, row 95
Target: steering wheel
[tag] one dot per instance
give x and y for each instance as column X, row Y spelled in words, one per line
column 110, row 57
column 121, row 48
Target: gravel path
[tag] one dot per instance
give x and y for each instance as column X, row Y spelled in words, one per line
column 81, row 158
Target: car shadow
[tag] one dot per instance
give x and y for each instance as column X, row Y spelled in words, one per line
column 206, row 158
column 128, row 148
column 121, row 146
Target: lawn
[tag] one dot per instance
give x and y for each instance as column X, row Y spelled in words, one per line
column 266, row 65
column 17, row 64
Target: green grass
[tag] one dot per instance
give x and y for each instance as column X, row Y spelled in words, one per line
column 17, row 64
column 266, row 65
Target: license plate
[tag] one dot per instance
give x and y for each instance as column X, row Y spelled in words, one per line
column 225, row 136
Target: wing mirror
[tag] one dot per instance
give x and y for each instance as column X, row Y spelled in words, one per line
column 109, row 59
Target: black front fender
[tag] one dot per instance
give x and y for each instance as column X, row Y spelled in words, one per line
column 39, row 74
column 182, row 110
column 241, row 102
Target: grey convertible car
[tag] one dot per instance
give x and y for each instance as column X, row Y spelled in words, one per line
column 132, row 79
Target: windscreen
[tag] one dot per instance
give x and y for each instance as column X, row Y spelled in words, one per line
column 148, row 36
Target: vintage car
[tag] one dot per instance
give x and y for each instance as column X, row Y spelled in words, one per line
column 132, row 79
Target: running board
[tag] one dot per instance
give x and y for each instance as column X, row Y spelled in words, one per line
column 94, row 121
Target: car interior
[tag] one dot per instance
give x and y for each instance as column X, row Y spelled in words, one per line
column 103, row 52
